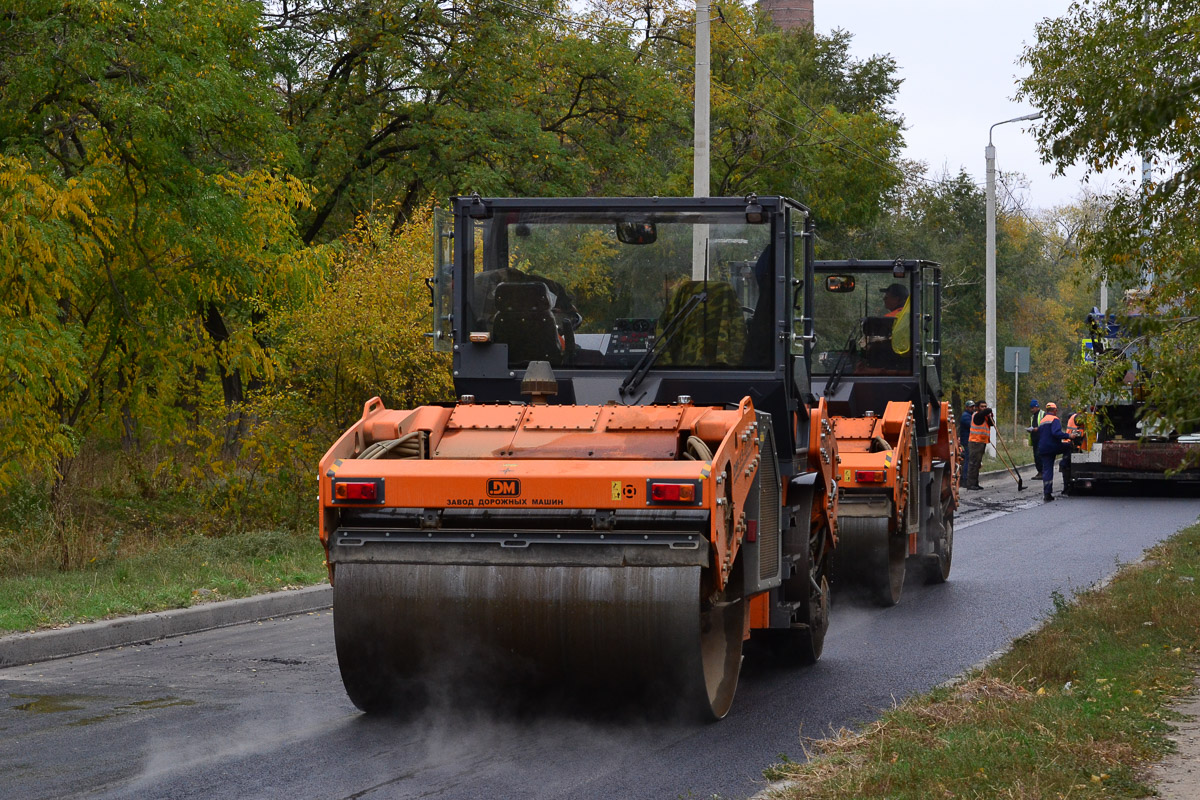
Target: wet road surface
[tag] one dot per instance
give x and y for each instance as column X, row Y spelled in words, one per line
column 258, row 711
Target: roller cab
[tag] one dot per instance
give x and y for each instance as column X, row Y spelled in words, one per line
column 635, row 478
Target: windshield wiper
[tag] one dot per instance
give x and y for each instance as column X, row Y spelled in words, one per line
column 635, row 377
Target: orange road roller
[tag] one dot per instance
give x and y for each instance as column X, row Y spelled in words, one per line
column 879, row 371
column 636, row 476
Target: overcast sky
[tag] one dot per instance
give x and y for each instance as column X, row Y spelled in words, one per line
column 958, row 61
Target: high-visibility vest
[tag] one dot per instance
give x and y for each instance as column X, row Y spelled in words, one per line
column 901, row 335
column 1072, row 425
column 980, row 432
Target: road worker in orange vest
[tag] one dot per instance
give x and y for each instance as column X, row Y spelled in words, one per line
column 1078, row 436
column 1074, row 429
column 982, row 423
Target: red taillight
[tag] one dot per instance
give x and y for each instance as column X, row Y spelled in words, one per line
column 366, row 491
column 870, row 475
column 672, row 492
column 752, row 530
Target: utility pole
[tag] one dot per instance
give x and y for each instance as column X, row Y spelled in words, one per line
column 990, row 265
column 700, row 158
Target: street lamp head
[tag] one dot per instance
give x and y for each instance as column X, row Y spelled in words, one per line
column 1025, row 118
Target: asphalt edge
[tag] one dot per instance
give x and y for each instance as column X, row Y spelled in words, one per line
column 89, row 637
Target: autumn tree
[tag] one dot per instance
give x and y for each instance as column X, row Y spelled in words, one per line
column 147, row 214
column 1115, row 79
column 400, row 100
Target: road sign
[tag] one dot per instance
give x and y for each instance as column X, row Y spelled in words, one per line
column 1016, row 359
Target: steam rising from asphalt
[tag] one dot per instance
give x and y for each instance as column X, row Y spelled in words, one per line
column 458, row 744
column 446, row 745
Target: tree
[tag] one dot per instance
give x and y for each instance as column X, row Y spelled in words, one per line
column 147, row 212
column 362, row 332
column 1115, row 78
column 407, row 99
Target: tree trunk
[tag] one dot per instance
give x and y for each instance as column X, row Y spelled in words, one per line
column 58, row 510
column 231, row 383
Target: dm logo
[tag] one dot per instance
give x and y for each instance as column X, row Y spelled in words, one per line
column 503, row 487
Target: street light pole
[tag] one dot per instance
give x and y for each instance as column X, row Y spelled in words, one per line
column 990, row 265
column 700, row 156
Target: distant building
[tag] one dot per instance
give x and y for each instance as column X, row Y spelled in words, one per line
column 790, row 13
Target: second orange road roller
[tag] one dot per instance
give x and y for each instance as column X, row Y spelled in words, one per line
column 879, row 371
column 636, row 476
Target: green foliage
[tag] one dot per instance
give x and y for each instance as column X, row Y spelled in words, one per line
column 412, row 99
column 142, row 198
column 362, row 333
column 794, row 113
column 1116, row 78
column 43, row 260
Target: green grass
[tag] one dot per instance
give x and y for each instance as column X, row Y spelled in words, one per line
column 1019, row 451
column 176, row 572
column 130, row 536
column 1076, row 709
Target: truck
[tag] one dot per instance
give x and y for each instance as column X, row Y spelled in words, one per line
column 635, row 478
column 1121, row 446
column 878, row 368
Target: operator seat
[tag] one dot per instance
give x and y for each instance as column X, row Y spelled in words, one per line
column 880, row 337
column 525, row 322
column 712, row 335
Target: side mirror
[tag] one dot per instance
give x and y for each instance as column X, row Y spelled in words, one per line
column 839, row 284
column 637, row 233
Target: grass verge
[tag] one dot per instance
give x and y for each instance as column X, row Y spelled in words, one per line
column 177, row 572
column 1076, row 709
column 1019, row 451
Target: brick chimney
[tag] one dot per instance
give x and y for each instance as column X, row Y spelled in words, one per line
column 789, row 14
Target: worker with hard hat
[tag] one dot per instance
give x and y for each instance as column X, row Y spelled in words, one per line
column 1078, row 437
column 1052, row 440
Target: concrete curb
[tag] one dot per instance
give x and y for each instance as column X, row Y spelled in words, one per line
column 30, row 648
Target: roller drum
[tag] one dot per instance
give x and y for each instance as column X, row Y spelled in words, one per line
column 406, row 632
column 870, row 559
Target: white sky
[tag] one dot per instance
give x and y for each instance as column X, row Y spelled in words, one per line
column 958, row 61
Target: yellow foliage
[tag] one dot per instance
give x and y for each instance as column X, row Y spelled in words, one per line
column 363, row 332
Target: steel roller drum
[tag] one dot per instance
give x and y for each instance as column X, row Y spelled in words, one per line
column 409, row 632
column 870, row 559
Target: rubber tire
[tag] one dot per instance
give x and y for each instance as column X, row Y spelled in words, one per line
column 802, row 644
column 937, row 565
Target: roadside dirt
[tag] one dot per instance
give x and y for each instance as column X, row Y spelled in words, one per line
column 1178, row 777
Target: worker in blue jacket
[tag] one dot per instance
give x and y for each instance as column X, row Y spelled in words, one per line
column 1052, row 441
column 964, row 431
